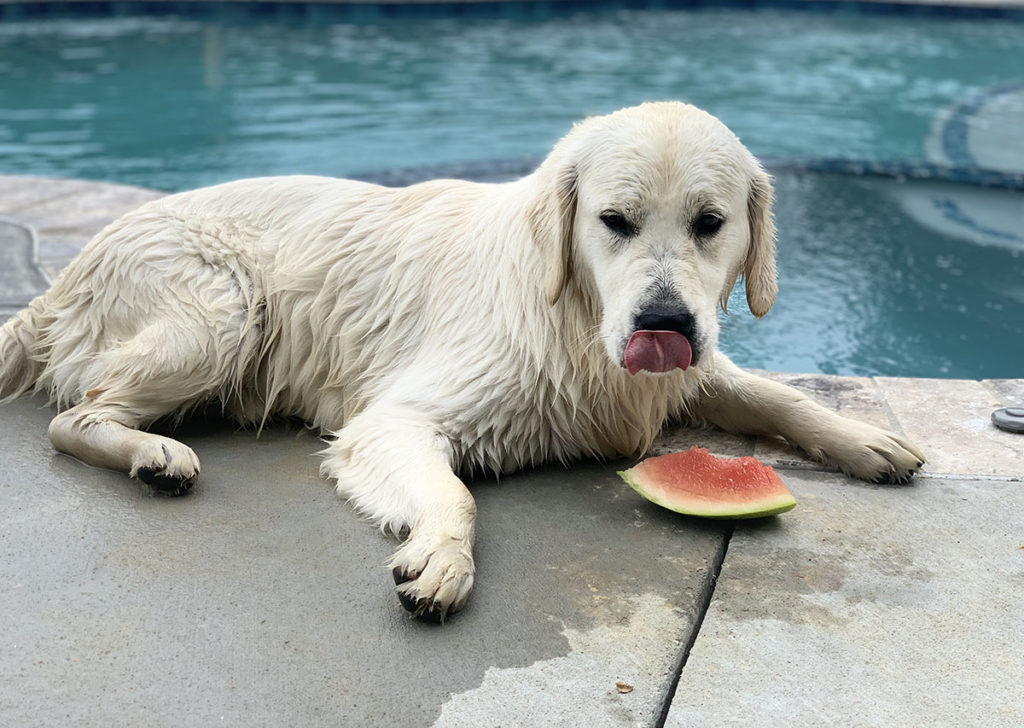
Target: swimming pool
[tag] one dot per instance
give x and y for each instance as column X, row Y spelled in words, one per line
column 175, row 103
column 876, row 277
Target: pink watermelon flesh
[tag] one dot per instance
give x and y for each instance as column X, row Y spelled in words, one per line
column 697, row 483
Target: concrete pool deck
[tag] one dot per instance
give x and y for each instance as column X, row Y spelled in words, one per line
column 261, row 599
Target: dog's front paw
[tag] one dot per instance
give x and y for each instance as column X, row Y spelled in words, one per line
column 165, row 465
column 872, row 454
column 433, row 575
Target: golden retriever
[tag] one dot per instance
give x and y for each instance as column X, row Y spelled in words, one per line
column 440, row 328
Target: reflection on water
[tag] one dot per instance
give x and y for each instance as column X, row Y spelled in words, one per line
column 213, row 58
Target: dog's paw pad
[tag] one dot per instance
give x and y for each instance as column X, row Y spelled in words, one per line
column 433, row 578
column 166, row 466
column 161, row 482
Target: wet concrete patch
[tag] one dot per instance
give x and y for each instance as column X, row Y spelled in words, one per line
column 261, row 596
column 866, row 606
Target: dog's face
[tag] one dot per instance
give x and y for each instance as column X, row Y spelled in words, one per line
column 659, row 209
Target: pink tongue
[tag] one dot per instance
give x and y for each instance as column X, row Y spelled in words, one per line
column 657, row 351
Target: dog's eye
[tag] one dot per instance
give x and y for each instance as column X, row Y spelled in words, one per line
column 618, row 224
column 707, row 225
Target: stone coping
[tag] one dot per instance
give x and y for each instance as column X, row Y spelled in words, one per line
column 66, row 213
column 949, row 419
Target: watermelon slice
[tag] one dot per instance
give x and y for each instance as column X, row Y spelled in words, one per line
column 697, row 483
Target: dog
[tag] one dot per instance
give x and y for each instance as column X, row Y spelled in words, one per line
column 442, row 328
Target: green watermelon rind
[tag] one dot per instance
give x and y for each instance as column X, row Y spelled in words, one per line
column 722, row 511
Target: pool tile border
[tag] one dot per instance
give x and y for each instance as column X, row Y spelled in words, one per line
column 369, row 10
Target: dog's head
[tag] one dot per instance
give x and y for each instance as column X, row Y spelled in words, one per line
column 653, row 213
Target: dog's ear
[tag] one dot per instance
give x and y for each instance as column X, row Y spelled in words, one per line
column 551, row 224
column 759, row 268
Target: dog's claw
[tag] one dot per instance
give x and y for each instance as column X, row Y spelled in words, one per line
column 401, row 577
column 407, row 601
column 434, row 615
column 423, row 609
column 893, row 478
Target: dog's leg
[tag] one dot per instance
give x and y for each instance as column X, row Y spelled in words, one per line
column 99, row 436
column 151, row 375
column 744, row 403
column 395, row 467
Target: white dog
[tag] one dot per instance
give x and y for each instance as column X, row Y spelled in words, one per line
column 443, row 327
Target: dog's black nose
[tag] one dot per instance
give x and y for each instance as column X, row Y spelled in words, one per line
column 666, row 317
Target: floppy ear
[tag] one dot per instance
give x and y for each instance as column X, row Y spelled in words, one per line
column 759, row 268
column 551, row 224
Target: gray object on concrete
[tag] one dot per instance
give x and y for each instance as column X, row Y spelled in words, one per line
column 867, row 606
column 1010, row 419
column 261, row 599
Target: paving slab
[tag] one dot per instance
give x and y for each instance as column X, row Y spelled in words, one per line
column 1010, row 392
column 19, row 192
column 867, row 606
column 952, row 420
column 675, row 438
column 261, row 599
column 60, row 203
column 66, row 213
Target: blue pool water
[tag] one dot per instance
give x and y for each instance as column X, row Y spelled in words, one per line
column 877, row 277
column 173, row 103
column 869, row 285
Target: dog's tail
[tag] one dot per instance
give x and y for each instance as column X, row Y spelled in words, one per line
column 18, row 369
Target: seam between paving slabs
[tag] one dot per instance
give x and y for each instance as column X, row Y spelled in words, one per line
column 890, row 413
column 707, row 593
column 971, row 477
